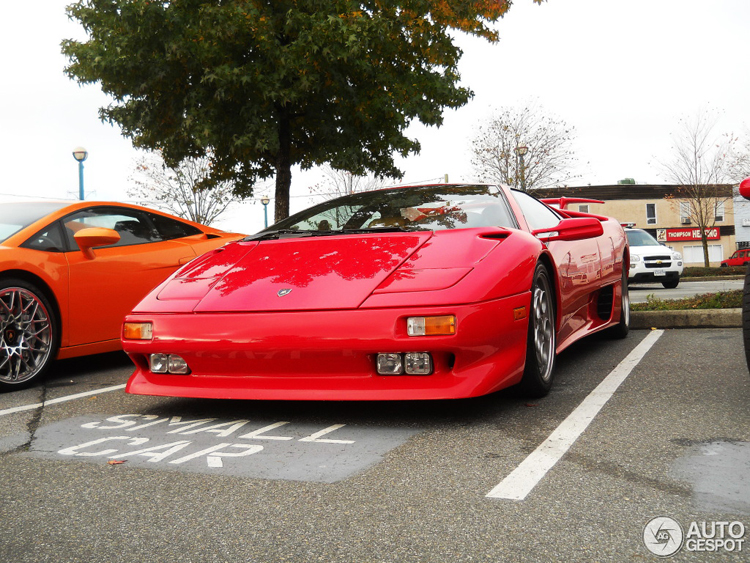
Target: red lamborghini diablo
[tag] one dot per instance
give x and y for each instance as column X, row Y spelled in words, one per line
column 428, row 292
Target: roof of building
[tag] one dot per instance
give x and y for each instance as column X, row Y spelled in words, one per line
column 623, row 191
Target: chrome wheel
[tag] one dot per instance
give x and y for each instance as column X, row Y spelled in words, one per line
column 541, row 341
column 621, row 329
column 625, row 303
column 26, row 335
column 543, row 328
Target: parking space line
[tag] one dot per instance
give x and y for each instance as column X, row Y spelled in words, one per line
column 525, row 477
column 61, row 400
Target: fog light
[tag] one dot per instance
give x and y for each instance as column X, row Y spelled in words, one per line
column 158, row 363
column 431, row 326
column 418, row 363
column 390, row 364
column 168, row 363
column 177, row 365
column 138, row 331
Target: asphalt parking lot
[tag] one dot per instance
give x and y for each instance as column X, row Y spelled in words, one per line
column 653, row 426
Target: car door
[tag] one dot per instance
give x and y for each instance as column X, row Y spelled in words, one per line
column 104, row 289
column 579, row 265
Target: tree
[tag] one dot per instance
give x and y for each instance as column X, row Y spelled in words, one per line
column 549, row 158
column 700, row 165
column 176, row 189
column 741, row 164
column 341, row 182
column 269, row 85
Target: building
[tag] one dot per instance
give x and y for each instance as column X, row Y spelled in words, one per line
column 661, row 211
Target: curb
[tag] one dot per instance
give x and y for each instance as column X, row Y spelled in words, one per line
column 694, row 318
column 712, row 278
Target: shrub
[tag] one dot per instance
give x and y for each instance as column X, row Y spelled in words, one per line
column 703, row 272
column 721, row 300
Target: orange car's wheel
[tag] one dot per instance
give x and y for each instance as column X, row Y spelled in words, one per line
column 541, row 345
column 28, row 334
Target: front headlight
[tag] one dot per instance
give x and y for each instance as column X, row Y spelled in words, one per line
column 635, row 258
column 677, row 256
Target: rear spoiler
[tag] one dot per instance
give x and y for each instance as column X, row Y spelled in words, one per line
column 562, row 202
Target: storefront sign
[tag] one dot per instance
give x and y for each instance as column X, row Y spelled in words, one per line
column 678, row 235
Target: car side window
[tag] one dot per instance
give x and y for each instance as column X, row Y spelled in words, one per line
column 132, row 225
column 171, row 228
column 538, row 215
column 49, row 239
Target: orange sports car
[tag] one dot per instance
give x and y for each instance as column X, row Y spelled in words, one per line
column 70, row 272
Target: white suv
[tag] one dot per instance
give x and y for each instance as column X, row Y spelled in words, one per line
column 651, row 261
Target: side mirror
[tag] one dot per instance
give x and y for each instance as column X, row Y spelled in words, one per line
column 90, row 238
column 745, row 188
column 577, row 228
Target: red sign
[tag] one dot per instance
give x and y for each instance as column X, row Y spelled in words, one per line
column 677, row 235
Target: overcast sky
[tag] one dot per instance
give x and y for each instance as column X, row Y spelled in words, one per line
column 622, row 72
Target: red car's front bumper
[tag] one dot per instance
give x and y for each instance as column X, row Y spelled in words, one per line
column 330, row 355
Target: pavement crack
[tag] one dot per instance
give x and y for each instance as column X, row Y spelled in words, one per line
column 32, row 426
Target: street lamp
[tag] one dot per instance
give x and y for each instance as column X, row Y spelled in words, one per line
column 520, row 153
column 265, row 200
column 80, row 154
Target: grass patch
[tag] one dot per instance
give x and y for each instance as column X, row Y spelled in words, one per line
column 721, row 300
column 703, row 272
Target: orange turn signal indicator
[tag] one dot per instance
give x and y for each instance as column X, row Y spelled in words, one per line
column 431, row 326
column 138, row 331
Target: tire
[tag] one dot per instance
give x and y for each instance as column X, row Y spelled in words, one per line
column 746, row 315
column 621, row 329
column 671, row 284
column 29, row 334
column 541, row 344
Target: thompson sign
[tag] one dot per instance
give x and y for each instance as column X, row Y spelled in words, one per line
column 680, row 235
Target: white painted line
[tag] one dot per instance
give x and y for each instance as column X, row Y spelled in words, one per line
column 61, row 400
column 527, row 475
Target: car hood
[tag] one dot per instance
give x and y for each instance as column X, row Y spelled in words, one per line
column 319, row 273
column 313, row 273
column 650, row 250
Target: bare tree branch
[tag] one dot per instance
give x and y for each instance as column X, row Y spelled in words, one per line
column 702, row 160
column 176, row 189
column 340, row 182
column 549, row 159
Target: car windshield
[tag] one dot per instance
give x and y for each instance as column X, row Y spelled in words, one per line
column 641, row 238
column 18, row 215
column 440, row 207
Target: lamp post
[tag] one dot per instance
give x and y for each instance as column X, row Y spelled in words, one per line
column 265, row 200
column 520, row 153
column 80, row 154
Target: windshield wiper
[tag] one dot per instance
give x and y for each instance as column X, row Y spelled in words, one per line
column 294, row 233
column 281, row 233
column 367, row 230
column 395, row 229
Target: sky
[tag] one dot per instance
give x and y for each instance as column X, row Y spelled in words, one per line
column 622, row 72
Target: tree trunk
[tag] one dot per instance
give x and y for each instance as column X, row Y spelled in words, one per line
column 283, row 166
column 704, row 242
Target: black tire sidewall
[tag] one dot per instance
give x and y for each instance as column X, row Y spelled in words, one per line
column 746, row 315
column 621, row 329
